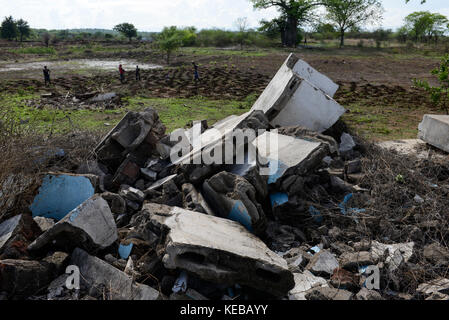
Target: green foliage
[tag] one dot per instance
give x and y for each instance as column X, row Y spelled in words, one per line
column 170, row 40
column 425, row 26
column 347, row 14
column 9, row 28
column 126, row 29
column 293, row 14
column 439, row 94
column 23, row 29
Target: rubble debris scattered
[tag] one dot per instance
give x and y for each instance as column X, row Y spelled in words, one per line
column 140, row 224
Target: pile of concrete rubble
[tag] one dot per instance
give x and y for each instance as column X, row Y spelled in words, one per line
column 139, row 225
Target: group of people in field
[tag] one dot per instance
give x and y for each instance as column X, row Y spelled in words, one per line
column 196, row 75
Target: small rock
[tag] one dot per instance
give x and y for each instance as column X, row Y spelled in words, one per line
column 354, row 260
column 328, row 294
column 323, row 263
column 44, row 223
column 366, row 294
column 132, row 194
column 345, row 280
column 436, row 254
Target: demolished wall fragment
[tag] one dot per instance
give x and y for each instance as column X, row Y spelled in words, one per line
column 218, row 250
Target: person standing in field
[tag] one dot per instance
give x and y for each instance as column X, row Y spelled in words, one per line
column 122, row 73
column 138, row 78
column 47, row 76
column 195, row 70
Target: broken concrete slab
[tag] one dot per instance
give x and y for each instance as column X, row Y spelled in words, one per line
column 232, row 197
column 91, row 226
column 61, row 193
column 15, row 234
column 304, row 282
column 434, row 129
column 305, row 71
column 290, row 155
column 137, row 132
column 218, row 250
column 291, row 100
column 309, row 135
column 25, row 277
column 97, row 274
column 355, row 260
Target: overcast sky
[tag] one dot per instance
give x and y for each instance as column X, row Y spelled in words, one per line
column 153, row 15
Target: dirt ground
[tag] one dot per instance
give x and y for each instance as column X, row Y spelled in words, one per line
column 374, row 84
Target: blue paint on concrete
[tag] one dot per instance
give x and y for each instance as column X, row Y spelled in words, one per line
column 240, row 214
column 74, row 215
column 279, row 168
column 278, row 199
column 125, row 251
column 60, row 194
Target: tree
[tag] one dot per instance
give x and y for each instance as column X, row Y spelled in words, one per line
column 242, row 31
column 294, row 12
column 439, row 95
column 23, row 29
column 274, row 28
column 423, row 25
column 9, row 28
column 346, row 14
column 126, row 29
column 169, row 40
column 46, row 39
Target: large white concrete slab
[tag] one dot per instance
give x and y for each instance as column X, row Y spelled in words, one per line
column 300, row 95
column 309, row 108
column 319, row 80
column 434, row 129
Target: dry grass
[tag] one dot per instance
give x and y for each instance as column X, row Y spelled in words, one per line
column 26, row 153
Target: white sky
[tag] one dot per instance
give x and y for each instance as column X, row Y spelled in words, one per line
column 153, row 15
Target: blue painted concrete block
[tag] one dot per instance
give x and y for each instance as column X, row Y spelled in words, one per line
column 60, row 194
